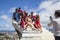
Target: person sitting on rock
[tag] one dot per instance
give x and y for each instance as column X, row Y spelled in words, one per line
column 29, row 22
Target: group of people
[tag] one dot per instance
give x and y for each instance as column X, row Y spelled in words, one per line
column 25, row 20
column 33, row 21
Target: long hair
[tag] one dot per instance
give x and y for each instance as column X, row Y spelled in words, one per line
column 37, row 16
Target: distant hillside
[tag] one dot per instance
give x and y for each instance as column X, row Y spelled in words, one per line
column 7, row 31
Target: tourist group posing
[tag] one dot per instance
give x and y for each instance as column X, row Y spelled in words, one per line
column 33, row 21
column 25, row 20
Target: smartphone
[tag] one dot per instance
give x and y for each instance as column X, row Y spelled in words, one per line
column 51, row 18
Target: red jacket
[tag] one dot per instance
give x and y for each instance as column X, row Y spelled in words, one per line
column 20, row 11
column 22, row 23
column 37, row 24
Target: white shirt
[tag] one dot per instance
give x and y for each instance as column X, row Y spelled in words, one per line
column 56, row 26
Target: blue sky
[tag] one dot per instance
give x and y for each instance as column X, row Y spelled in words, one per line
column 7, row 4
column 44, row 8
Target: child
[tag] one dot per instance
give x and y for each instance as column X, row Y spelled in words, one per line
column 56, row 24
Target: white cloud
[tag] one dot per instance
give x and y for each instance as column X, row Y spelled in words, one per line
column 7, row 25
column 4, row 17
column 12, row 10
column 25, row 7
column 6, row 22
column 29, row 10
column 48, row 9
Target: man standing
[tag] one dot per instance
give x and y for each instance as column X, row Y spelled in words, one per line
column 15, row 20
column 56, row 24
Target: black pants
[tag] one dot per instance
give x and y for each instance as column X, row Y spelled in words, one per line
column 19, row 34
column 57, row 37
